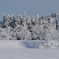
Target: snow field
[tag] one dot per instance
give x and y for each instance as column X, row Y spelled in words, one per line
column 13, row 49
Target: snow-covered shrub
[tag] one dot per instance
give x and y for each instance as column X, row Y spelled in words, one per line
column 24, row 34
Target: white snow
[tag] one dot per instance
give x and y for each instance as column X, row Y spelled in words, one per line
column 13, row 49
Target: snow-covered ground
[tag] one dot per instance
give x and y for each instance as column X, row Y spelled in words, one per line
column 14, row 49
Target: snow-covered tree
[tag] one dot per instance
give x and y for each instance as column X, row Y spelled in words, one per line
column 29, row 28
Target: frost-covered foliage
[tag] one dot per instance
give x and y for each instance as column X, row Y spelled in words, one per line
column 29, row 28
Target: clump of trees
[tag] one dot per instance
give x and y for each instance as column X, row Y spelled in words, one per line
column 29, row 28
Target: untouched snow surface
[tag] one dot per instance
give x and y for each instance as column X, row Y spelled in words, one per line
column 13, row 49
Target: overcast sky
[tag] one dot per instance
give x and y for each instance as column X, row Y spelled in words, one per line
column 31, row 7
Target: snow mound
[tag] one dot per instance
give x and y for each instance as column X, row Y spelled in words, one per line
column 41, row 44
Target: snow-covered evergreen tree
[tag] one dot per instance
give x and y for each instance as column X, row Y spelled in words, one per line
column 29, row 28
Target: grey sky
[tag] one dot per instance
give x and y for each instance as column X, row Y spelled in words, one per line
column 32, row 7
